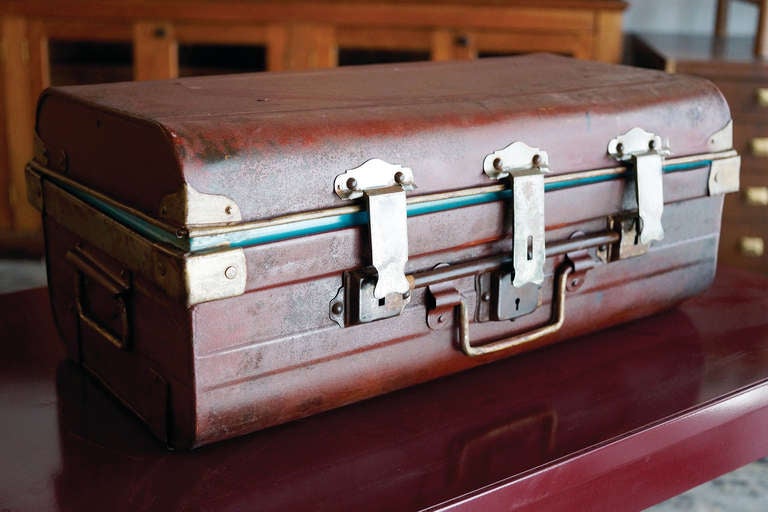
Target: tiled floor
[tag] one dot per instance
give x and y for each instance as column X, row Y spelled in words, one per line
column 743, row 490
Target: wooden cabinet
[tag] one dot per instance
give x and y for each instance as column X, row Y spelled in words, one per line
column 743, row 79
column 293, row 34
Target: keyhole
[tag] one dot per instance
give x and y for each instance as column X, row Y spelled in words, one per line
column 517, row 304
column 530, row 248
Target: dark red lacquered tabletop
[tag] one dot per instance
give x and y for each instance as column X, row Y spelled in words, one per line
column 617, row 420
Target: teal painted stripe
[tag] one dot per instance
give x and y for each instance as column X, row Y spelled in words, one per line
column 263, row 235
column 142, row 227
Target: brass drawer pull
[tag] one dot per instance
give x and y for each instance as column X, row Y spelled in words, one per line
column 759, row 146
column 756, row 196
column 518, row 340
column 752, row 246
column 762, row 96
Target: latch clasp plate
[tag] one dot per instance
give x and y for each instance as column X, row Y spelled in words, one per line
column 383, row 185
column 525, row 166
column 645, row 152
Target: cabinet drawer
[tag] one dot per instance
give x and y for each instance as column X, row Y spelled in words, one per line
column 748, row 99
column 741, row 247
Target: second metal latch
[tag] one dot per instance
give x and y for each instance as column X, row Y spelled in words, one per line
column 525, row 166
column 645, row 152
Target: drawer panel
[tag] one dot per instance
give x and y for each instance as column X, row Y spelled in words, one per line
column 748, row 99
column 743, row 247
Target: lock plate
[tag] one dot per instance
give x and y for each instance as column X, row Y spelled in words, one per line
column 629, row 244
column 356, row 303
column 501, row 300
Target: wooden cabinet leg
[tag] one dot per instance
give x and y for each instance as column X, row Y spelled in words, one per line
column 310, row 46
column 155, row 51
column 451, row 45
column 19, row 119
column 607, row 46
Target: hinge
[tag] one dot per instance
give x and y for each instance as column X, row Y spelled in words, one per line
column 644, row 152
column 525, row 167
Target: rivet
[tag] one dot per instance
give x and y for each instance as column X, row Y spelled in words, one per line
column 716, row 177
column 536, row 159
column 486, row 296
column 441, row 319
column 228, row 210
column 159, row 32
column 575, row 282
column 620, row 148
column 602, row 248
column 497, row 164
column 182, row 233
column 337, row 308
column 352, row 184
column 652, row 144
column 230, row 272
column 400, row 177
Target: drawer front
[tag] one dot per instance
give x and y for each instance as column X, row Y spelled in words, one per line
column 751, row 141
column 748, row 99
column 743, row 247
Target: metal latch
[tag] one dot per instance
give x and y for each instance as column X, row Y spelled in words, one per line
column 384, row 290
column 645, row 153
column 525, row 166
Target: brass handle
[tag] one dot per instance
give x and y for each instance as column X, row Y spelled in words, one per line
column 518, row 340
column 756, row 196
column 760, row 146
column 762, row 96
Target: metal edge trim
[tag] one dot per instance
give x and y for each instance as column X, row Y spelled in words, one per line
column 724, row 176
column 190, row 278
column 319, row 221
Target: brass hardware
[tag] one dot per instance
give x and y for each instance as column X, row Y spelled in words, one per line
column 724, row 175
column 756, row 196
column 721, row 140
column 752, row 246
column 762, row 96
column 116, row 287
column 190, row 207
column 628, row 244
column 759, row 146
column 522, row 339
column 191, row 278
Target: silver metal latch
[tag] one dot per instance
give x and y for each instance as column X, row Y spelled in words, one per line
column 383, row 185
column 645, row 152
column 525, row 166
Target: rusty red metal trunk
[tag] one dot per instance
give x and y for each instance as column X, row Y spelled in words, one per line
column 197, row 245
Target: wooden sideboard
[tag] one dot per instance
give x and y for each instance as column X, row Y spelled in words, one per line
column 743, row 79
column 294, row 34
